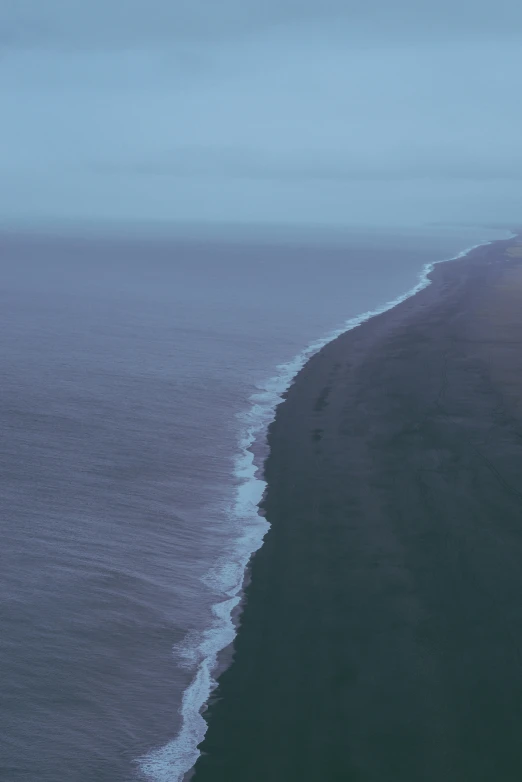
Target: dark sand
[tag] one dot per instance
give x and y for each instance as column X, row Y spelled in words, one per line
column 382, row 634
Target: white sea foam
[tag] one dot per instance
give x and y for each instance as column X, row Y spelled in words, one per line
column 171, row 762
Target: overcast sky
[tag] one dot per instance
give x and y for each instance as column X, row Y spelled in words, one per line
column 339, row 111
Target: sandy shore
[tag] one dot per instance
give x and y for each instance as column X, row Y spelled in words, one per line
column 382, row 634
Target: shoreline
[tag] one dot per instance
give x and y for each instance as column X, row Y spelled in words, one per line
column 214, row 651
column 441, row 275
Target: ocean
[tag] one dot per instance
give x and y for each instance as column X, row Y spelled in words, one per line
column 138, row 378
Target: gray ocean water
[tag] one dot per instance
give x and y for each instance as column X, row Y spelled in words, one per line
column 125, row 368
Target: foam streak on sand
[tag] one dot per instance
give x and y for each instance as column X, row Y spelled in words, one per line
column 171, row 762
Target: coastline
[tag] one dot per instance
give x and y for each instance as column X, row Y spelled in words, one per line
column 230, row 747
column 211, row 654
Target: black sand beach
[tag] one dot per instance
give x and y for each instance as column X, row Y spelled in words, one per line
column 382, row 635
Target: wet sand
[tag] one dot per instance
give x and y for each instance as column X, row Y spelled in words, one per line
column 382, row 634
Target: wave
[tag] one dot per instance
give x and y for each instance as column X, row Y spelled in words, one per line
column 171, row 762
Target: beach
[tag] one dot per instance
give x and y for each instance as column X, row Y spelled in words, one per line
column 381, row 635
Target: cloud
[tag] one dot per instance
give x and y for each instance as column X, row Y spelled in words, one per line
column 127, row 107
column 232, row 163
column 76, row 23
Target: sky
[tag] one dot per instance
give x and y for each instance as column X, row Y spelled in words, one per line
column 289, row 111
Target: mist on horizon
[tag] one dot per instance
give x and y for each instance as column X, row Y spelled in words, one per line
column 286, row 112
